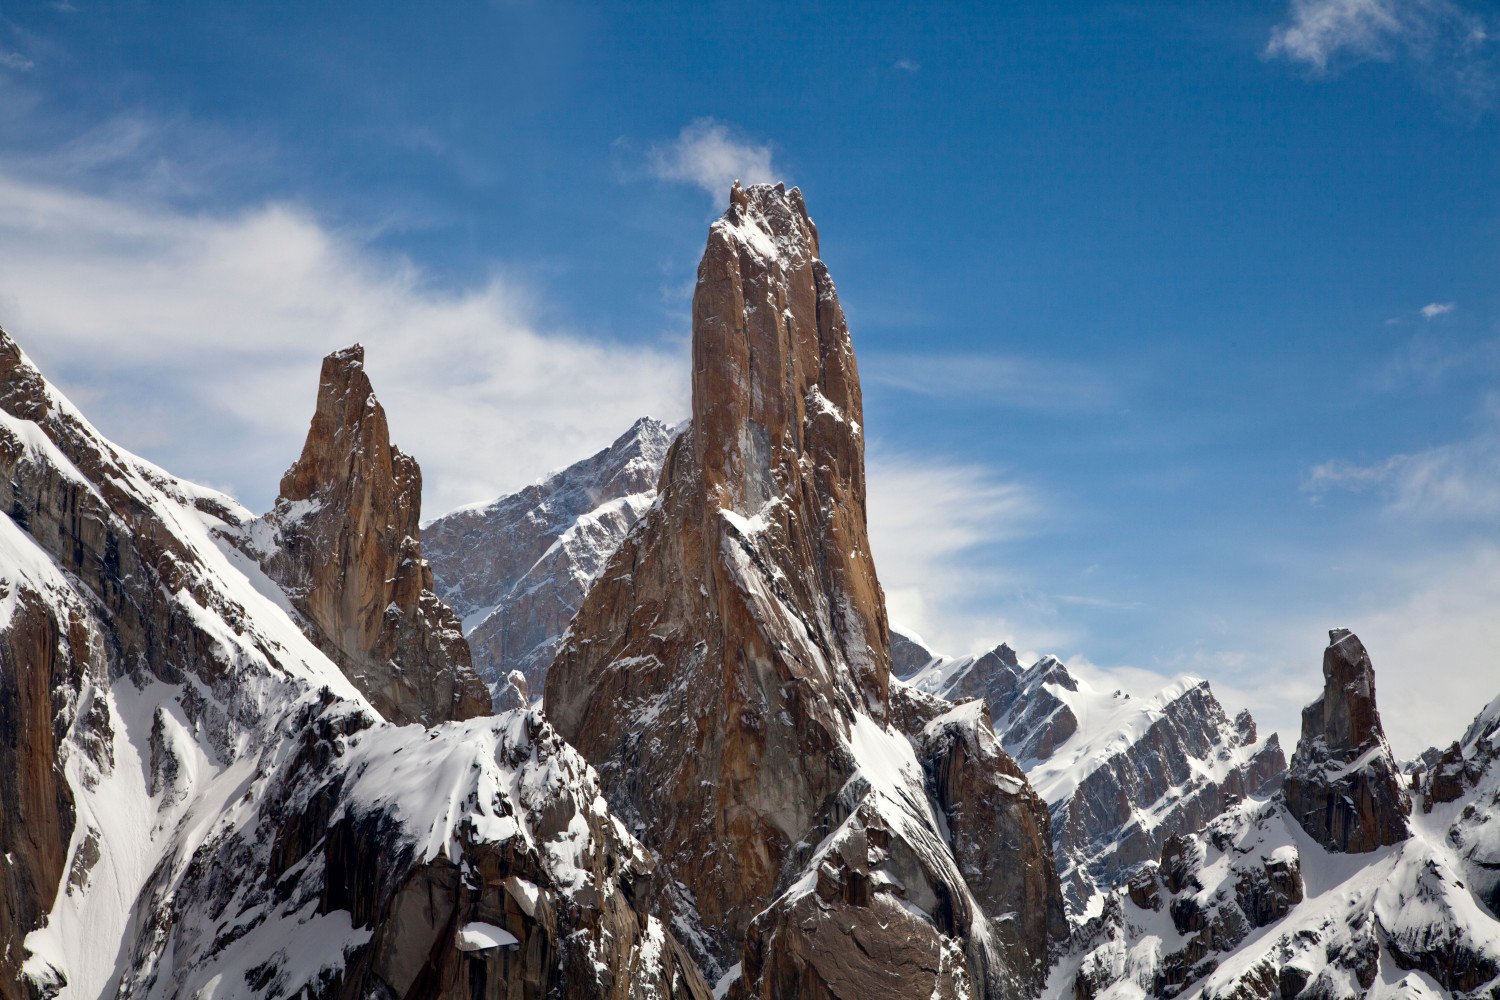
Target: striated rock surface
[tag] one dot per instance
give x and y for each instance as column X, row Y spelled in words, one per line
column 1344, row 786
column 515, row 570
column 343, row 541
column 198, row 801
column 729, row 672
column 1121, row 775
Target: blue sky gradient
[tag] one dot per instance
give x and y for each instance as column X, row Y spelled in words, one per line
column 1178, row 322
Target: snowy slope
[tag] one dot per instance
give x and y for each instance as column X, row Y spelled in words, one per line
column 233, row 818
column 1274, row 899
column 1120, row 773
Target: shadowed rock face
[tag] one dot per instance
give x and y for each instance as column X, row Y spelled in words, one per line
column 712, row 670
column 344, row 542
column 1344, row 786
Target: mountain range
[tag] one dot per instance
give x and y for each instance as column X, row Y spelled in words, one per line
column 644, row 730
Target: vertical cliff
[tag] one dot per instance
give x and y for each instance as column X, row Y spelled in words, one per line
column 729, row 672
column 1344, row 786
column 344, row 541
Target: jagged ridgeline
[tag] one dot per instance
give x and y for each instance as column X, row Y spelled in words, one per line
column 254, row 756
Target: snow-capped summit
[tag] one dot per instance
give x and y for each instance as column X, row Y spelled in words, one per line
column 198, row 802
column 516, row 569
column 1311, row 892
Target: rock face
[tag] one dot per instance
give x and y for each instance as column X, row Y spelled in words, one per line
column 343, row 541
column 516, row 569
column 1262, row 904
column 1139, row 771
column 198, row 801
column 1344, row 786
column 729, row 672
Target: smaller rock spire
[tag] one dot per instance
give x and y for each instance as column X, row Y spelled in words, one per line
column 347, row 550
column 1344, row 787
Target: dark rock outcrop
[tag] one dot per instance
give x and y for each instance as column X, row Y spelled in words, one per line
column 344, row 542
column 1344, row 786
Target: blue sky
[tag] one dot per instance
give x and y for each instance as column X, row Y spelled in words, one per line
column 1177, row 321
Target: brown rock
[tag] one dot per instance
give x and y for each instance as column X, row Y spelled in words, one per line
column 1344, row 787
column 345, row 545
column 713, row 670
column 1000, row 834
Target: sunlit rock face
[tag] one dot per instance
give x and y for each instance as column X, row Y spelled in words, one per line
column 729, row 672
column 343, row 541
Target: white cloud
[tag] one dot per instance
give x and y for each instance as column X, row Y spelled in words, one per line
column 907, row 65
column 1432, row 310
column 930, row 523
column 1460, row 480
column 196, row 339
column 15, row 61
column 712, row 155
column 1325, row 33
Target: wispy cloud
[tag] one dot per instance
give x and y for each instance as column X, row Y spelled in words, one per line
column 1007, row 380
column 1432, row 310
column 1460, row 480
column 933, row 525
column 907, row 65
column 1324, row 33
column 15, row 61
column 712, row 155
column 196, row 338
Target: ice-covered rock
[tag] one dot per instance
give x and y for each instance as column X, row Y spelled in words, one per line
column 1120, row 774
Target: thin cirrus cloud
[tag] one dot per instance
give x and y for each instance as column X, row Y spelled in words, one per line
column 1433, row 310
column 1454, row 481
column 1027, row 383
column 712, row 155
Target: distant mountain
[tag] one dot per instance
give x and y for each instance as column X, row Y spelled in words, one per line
column 516, row 569
column 1347, row 883
column 1120, row 774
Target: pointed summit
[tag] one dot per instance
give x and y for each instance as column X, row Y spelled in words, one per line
column 343, row 540
column 1344, row 787
column 729, row 675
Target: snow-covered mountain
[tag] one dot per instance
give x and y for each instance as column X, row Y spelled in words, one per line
column 1345, row 884
column 1120, row 774
column 199, row 801
column 516, row 569
column 249, row 756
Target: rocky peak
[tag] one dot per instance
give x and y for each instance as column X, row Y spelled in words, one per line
column 728, row 674
column 1344, row 786
column 343, row 541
